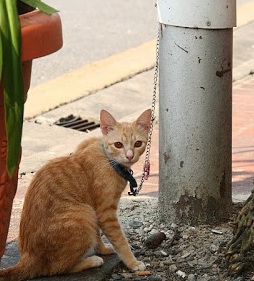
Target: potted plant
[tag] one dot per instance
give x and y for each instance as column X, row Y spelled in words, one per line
column 26, row 32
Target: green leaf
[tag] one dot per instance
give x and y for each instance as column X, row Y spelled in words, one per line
column 41, row 6
column 12, row 81
column 1, row 55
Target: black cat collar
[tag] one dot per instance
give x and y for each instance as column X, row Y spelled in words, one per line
column 126, row 174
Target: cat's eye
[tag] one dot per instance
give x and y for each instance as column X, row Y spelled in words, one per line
column 138, row 144
column 118, row 144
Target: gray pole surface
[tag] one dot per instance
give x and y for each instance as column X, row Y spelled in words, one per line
column 195, row 79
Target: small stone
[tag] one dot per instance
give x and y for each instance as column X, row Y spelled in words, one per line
column 191, row 277
column 153, row 231
column 185, row 236
column 203, row 263
column 155, row 264
column 148, row 253
column 240, row 278
column 43, row 120
column 184, row 256
column 214, row 248
column 164, row 253
column 116, row 276
column 167, row 262
column 138, row 278
column 216, row 231
column 155, row 278
column 181, row 273
column 136, row 224
column 159, row 254
column 173, row 225
column 162, row 225
column 126, row 275
column 172, row 268
column 154, row 240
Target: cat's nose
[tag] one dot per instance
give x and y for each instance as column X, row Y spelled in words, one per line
column 129, row 155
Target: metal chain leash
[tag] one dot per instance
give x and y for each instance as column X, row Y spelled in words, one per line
column 146, row 168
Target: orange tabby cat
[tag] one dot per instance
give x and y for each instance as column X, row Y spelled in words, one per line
column 71, row 198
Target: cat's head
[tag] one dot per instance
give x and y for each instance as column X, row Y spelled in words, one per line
column 125, row 142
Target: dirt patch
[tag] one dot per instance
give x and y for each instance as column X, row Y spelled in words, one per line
column 188, row 253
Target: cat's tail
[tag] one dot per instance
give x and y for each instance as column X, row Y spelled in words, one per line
column 18, row 272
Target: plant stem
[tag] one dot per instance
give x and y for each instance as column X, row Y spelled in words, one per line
column 12, row 81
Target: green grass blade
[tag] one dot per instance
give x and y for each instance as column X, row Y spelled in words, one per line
column 41, row 6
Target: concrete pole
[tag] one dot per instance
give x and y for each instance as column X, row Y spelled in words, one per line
column 195, row 82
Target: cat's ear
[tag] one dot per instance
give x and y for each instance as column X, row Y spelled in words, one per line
column 108, row 122
column 144, row 120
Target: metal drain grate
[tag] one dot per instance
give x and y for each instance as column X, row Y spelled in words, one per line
column 77, row 123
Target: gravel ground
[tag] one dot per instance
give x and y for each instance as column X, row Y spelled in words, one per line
column 173, row 252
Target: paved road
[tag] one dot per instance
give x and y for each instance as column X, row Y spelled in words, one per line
column 93, row 30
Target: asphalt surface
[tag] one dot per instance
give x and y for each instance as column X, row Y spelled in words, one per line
column 94, row 30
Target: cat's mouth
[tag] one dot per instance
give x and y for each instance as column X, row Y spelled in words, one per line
column 129, row 162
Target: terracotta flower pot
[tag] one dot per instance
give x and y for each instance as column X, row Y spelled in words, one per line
column 41, row 35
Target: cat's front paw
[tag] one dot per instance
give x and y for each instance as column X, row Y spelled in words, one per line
column 138, row 265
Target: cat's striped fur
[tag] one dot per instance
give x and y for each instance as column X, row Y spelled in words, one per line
column 72, row 198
